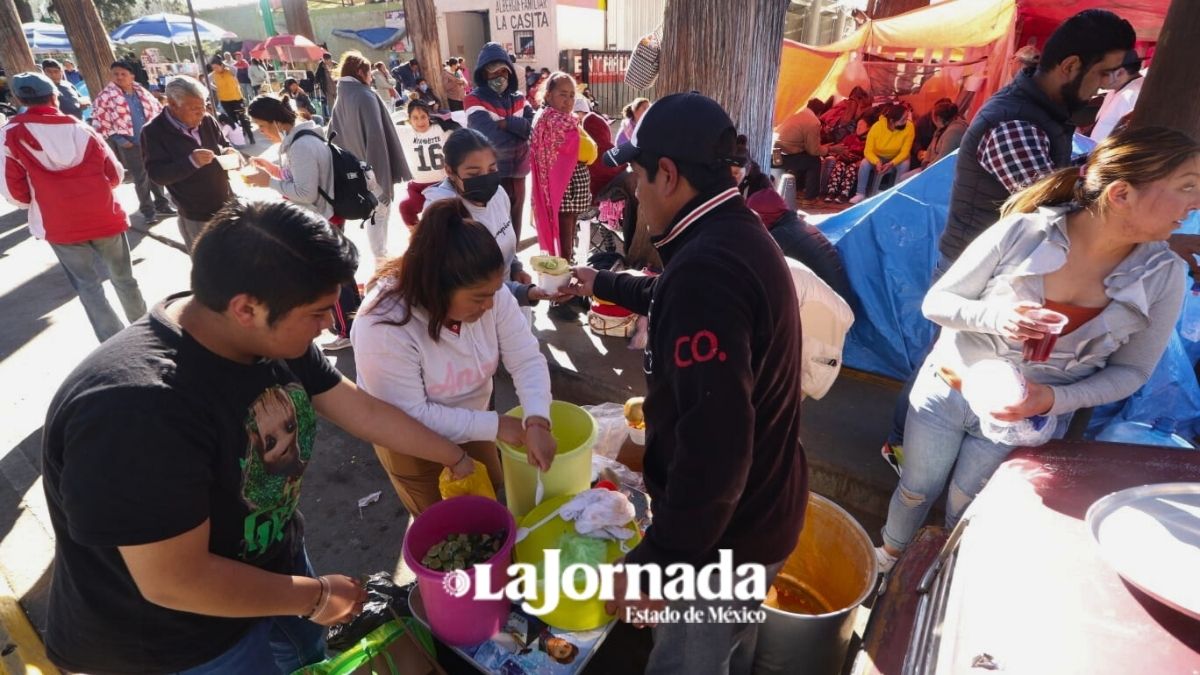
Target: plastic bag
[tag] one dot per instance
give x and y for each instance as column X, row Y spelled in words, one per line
column 611, row 429
column 1189, row 320
column 477, row 483
column 384, row 598
column 399, row 647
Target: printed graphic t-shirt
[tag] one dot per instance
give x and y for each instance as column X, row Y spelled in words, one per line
column 423, row 151
column 150, row 436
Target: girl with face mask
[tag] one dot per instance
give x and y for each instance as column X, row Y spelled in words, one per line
column 434, row 328
column 304, row 175
column 473, row 176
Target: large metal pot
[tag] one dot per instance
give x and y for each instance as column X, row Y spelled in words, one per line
column 834, row 562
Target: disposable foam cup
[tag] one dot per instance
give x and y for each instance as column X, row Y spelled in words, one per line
column 229, row 162
column 553, row 283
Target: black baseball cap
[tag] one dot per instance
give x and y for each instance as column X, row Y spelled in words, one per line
column 687, row 127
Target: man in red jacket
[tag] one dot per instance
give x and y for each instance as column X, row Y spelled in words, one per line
column 64, row 173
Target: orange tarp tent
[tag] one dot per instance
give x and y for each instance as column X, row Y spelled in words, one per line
column 958, row 35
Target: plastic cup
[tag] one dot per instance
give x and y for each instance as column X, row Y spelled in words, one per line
column 1052, row 323
column 229, row 162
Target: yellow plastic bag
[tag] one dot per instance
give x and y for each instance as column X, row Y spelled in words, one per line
column 477, row 483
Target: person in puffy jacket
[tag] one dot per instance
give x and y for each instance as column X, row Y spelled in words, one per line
column 497, row 109
column 65, row 174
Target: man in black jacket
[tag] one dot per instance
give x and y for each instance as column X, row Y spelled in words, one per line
column 180, row 149
column 723, row 463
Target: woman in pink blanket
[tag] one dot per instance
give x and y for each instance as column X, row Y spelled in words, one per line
column 561, row 151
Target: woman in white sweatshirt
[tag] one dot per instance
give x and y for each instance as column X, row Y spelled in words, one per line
column 433, row 329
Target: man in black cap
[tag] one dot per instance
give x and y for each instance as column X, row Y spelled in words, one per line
column 724, row 464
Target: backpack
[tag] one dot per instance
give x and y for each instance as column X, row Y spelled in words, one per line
column 352, row 199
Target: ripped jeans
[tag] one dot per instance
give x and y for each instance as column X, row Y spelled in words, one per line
column 942, row 442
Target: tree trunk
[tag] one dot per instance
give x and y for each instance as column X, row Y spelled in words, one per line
column 89, row 41
column 728, row 50
column 25, row 11
column 14, row 50
column 295, row 14
column 1171, row 95
column 422, row 28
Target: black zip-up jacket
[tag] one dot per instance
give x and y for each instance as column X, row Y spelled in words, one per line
column 724, row 464
column 198, row 193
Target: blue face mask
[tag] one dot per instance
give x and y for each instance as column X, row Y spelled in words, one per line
column 423, row 87
column 498, row 84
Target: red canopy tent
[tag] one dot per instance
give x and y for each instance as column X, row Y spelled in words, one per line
column 1039, row 18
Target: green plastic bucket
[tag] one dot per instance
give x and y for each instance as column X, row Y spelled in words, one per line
column 571, row 473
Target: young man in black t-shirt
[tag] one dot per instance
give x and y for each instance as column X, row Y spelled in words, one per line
column 174, row 456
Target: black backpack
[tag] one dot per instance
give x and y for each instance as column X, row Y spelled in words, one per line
column 352, row 200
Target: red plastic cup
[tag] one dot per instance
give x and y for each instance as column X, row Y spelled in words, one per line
column 1052, row 323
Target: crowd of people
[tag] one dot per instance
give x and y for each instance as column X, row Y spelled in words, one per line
column 200, row 543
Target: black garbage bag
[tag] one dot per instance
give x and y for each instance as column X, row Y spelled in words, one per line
column 385, row 600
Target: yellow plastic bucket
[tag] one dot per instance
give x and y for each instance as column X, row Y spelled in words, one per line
column 571, row 473
column 570, row 614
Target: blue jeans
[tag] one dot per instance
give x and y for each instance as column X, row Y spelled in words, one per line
column 942, row 436
column 707, row 648
column 276, row 645
column 942, row 441
column 864, row 175
column 79, row 263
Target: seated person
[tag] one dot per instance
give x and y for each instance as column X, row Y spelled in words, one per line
column 888, row 144
column 432, row 331
column 1089, row 243
column 799, row 240
column 949, row 129
column 799, row 138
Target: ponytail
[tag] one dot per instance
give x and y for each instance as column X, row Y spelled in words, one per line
column 1054, row 190
column 270, row 109
column 448, row 251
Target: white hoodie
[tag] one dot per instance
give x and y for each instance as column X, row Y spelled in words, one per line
column 446, row 384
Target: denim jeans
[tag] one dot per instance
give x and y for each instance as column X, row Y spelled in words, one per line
column 79, row 263
column 864, row 174
column 706, row 648
column 150, row 194
column 276, row 645
column 942, row 441
column 896, row 437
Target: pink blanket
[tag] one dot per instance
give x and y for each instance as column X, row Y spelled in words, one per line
column 554, row 147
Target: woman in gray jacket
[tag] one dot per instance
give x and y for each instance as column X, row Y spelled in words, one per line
column 362, row 124
column 1089, row 243
column 304, row 175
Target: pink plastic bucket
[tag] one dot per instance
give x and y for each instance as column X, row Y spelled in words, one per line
column 461, row 621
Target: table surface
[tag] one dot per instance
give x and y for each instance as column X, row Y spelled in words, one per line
column 1030, row 588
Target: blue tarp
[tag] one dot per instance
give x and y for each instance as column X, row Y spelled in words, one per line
column 888, row 245
column 376, row 38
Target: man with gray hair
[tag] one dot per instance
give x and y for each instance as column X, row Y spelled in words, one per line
column 181, row 149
